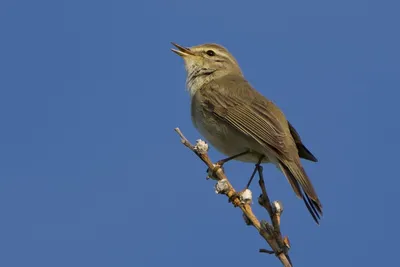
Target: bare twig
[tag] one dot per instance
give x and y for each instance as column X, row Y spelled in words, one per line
column 274, row 213
column 280, row 250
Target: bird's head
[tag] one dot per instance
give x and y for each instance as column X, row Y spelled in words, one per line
column 206, row 62
column 211, row 57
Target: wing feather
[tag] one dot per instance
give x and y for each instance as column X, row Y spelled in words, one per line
column 249, row 113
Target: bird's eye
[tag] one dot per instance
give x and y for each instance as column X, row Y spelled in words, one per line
column 210, row 53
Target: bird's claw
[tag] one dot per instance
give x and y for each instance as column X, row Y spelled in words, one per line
column 211, row 173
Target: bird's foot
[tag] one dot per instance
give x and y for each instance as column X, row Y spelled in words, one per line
column 212, row 172
column 220, row 163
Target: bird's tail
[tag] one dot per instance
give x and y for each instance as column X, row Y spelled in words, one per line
column 302, row 186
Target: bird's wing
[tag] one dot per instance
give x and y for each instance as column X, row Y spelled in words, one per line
column 237, row 103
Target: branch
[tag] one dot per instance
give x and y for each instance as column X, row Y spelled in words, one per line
column 271, row 233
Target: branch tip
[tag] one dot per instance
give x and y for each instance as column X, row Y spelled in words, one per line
column 277, row 207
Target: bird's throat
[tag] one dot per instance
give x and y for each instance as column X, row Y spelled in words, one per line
column 197, row 77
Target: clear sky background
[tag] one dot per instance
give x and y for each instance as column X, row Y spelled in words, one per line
column 93, row 174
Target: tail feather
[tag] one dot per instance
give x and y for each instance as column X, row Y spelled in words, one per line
column 312, row 211
column 302, row 186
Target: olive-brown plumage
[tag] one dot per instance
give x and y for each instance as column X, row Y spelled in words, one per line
column 234, row 118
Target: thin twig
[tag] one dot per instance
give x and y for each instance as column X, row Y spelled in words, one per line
column 184, row 139
column 274, row 215
column 230, row 192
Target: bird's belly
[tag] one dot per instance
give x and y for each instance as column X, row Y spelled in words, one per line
column 229, row 141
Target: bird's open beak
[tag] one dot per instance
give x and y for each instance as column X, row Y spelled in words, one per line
column 182, row 51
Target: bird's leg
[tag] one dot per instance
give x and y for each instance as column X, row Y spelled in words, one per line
column 265, row 197
column 258, row 168
column 221, row 162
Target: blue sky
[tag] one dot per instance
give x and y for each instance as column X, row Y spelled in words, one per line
column 92, row 173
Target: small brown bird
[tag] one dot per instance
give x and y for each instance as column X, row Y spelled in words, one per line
column 238, row 120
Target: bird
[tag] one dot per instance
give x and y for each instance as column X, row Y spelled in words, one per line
column 240, row 122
